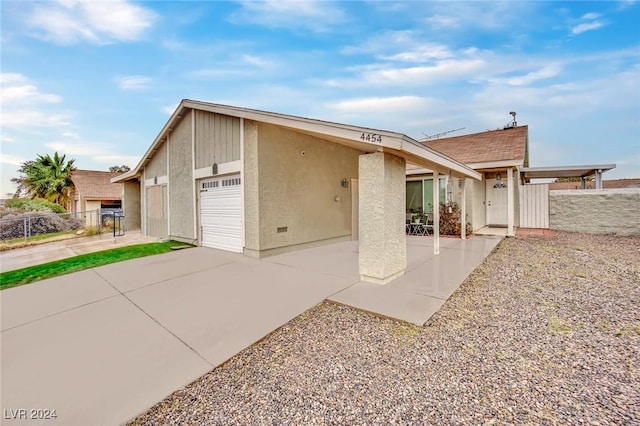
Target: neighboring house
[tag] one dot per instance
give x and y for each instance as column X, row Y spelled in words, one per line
column 94, row 191
column 498, row 155
column 262, row 183
column 607, row 184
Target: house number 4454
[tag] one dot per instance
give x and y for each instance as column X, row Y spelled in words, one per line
column 371, row 137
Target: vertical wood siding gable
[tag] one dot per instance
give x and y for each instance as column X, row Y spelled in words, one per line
column 217, row 139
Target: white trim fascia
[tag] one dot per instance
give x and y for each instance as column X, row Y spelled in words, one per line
column 162, row 180
column 496, row 164
column 395, row 143
column 422, row 171
column 223, row 169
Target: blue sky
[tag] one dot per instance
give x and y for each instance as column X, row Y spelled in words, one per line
column 98, row 80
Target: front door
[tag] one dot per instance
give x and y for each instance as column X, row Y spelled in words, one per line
column 497, row 205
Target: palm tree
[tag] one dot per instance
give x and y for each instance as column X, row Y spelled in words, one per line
column 47, row 177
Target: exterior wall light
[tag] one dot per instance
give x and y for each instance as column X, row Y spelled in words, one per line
column 344, row 183
column 498, row 177
column 214, row 169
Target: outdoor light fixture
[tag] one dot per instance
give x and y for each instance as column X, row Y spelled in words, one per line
column 214, row 169
column 498, row 176
column 344, row 183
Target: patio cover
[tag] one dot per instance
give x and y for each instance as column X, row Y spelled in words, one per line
column 583, row 172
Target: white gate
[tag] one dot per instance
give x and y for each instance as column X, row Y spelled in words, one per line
column 534, row 206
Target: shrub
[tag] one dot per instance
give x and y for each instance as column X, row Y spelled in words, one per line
column 12, row 224
column 36, row 204
column 450, row 219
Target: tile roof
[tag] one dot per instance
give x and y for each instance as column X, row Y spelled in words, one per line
column 97, row 185
column 618, row 183
column 485, row 147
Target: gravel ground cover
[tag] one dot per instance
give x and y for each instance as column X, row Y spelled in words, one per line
column 545, row 331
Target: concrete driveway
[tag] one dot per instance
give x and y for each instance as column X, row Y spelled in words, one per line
column 102, row 345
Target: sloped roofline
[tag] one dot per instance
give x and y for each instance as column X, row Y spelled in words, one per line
column 392, row 142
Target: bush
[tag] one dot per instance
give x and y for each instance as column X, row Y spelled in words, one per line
column 37, row 205
column 450, row 219
column 12, row 224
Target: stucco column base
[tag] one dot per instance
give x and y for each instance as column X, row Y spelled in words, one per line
column 383, row 239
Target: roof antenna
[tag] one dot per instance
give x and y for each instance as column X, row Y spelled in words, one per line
column 437, row 135
column 513, row 123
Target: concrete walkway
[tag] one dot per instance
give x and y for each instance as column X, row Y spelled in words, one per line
column 48, row 252
column 103, row 345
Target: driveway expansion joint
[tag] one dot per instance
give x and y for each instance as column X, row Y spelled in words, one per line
column 155, row 320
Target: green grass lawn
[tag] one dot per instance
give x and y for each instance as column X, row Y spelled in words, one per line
column 81, row 262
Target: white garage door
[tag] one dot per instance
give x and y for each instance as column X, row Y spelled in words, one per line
column 221, row 213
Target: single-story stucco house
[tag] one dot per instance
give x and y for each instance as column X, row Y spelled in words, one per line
column 262, row 183
column 94, row 192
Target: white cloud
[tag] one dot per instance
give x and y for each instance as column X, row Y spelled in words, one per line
column 128, row 160
column 80, row 148
column 17, row 89
column 169, row 109
column 593, row 23
column 315, row 15
column 258, row 62
column 547, row 71
column 25, row 106
column 466, row 15
column 97, row 152
column 421, row 53
column 133, row 82
column 13, row 160
column 380, row 104
column 10, row 77
column 587, row 26
column 424, row 75
column 98, row 22
column 591, row 15
column 25, row 119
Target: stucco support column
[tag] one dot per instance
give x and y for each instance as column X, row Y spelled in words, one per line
column 436, row 212
column 598, row 179
column 510, row 202
column 463, row 209
column 383, row 240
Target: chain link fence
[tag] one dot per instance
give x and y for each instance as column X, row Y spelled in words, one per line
column 25, row 225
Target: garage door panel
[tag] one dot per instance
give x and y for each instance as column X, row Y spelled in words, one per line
column 221, row 213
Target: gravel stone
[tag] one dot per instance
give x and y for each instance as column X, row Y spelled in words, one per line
column 545, row 331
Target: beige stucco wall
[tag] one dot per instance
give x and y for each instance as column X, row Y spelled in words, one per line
column 91, row 208
column 180, row 189
column 131, row 205
column 157, row 165
column 298, row 179
column 596, row 211
column 217, row 138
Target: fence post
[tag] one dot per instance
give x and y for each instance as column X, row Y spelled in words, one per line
column 29, row 224
column 24, row 222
